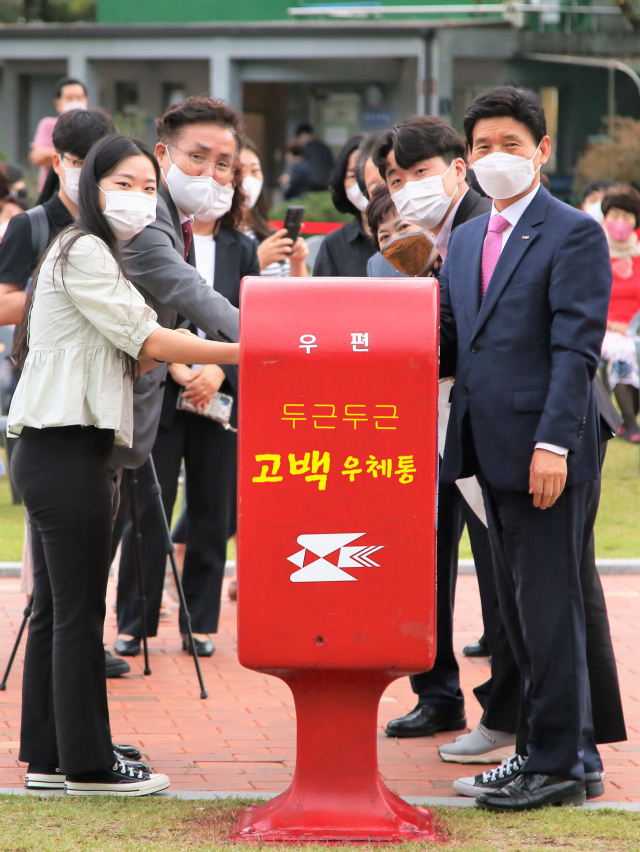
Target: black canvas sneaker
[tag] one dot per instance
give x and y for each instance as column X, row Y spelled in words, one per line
column 496, row 779
column 42, row 777
column 121, row 780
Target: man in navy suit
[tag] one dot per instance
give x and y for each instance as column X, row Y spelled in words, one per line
column 524, row 299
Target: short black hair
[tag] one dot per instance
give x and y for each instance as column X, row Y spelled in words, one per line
column 200, row 110
column 68, row 81
column 365, row 151
column 597, row 186
column 507, row 102
column 77, row 131
column 418, row 138
column 336, row 183
column 381, row 208
column 622, row 198
column 304, row 127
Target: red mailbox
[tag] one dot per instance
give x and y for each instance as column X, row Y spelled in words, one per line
column 337, row 522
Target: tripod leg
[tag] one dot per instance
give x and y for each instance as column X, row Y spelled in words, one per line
column 137, row 561
column 156, row 488
column 26, row 616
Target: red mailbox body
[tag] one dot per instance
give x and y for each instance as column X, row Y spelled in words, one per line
column 337, row 486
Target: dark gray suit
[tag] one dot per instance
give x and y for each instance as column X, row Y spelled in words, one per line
column 154, row 262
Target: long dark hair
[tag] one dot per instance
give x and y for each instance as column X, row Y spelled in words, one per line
column 102, row 160
column 336, row 184
column 257, row 217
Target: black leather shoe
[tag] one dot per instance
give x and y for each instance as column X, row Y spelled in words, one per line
column 529, row 791
column 204, row 649
column 128, row 752
column 127, row 647
column 115, row 667
column 424, row 721
column 477, row 649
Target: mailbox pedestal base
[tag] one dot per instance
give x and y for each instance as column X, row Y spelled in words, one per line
column 337, row 793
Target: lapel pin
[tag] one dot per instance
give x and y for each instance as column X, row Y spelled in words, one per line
column 525, row 237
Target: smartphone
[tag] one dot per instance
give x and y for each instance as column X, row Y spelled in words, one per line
column 293, row 221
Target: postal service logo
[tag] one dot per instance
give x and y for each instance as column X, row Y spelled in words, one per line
column 332, row 556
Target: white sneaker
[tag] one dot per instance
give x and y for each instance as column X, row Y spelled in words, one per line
column 121, row 780
column 482, row 745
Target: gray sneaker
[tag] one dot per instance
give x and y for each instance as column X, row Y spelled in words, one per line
column 482, row 745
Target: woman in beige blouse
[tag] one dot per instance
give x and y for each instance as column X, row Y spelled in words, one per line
column 89, row 333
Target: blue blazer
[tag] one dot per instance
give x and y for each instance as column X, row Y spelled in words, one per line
column 524, row 360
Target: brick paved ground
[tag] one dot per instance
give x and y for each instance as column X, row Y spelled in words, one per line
column 243, row 737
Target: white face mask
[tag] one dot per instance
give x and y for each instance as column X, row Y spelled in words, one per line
column 355, row 196
column 3, row 228
column 423, row 202
column 595, row 210
column 191, row 193
column 253, row 187
column 73, row 105
column 219, row 207
column 505, row 175
column 128, row 212
column 71, row 184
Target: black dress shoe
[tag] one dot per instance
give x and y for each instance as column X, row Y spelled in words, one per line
column 115, row 667
column 128, row 752
column 127, row 647
column 424, row 721
column 531, row 790
column 477, row 649
column 204, row 649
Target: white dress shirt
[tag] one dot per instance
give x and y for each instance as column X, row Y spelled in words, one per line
column 512, row 214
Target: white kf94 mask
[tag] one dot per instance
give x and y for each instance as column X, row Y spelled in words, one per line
column 504, row 175
column 253, row 187
column 221, row 206
column 191, row 193
column 128, row 212
column 423, row 202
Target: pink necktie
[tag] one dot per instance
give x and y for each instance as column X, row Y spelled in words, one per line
column 492, row 248
column 187, row 233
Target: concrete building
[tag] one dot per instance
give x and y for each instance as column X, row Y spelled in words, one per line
column 344, row 67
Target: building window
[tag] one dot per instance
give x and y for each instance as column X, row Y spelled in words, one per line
column 126, row 97
column 172, row 93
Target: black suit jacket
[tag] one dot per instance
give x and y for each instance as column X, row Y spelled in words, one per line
column 236, row 257
column 524, row 360
column 473, row 204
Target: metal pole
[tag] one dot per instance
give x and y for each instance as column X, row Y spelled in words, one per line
column 611, row 96
column 26, row 616
column 137, row 562
column 156, row 489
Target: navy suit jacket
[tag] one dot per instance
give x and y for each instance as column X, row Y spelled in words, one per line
column 524, row 360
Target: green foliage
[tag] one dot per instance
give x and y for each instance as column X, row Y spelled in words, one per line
column 49, row 11
column 318, row 207
column 616, row 156
column 10, row 11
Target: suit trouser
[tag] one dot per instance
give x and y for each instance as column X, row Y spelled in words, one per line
column 604, row 688
column 210, row 456
column 537, row 556
column 65, row 482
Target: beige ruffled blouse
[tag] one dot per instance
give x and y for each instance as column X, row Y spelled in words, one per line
column 78, row 329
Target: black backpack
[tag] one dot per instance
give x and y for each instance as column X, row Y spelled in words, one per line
column 39, row 230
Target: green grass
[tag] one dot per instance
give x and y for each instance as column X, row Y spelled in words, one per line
column 617, row 527
column 168, row 825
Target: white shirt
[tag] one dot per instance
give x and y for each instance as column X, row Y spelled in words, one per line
column 445, row 231
column 205, row 249
column 80, row 323
column 512, row 214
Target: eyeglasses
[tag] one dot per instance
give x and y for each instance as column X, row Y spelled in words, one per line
column 75, row 163
column 199, row 163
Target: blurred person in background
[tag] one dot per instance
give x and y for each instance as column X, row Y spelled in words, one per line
column 277, row 254
column 9, row 208
column 298, row 177
column 28, row 234
column 317, row 154
column 345, row 252
column 592, row 198
column 70, row 94
column 621, row 211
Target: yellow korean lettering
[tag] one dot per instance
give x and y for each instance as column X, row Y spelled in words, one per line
column 298, row 467
column 350, row 468
column 331, row 416
column 392, row 416
column 292, row 415
column 273, row 463
column 406, row 469
column 354, row 417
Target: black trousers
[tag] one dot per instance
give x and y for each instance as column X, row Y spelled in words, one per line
column 537, row 557
column 63, row 477
column 210, row 456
